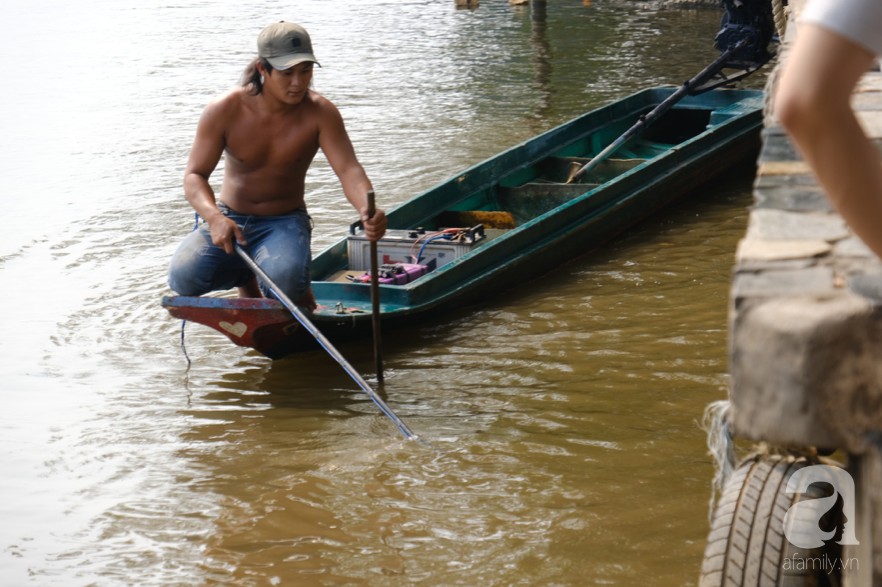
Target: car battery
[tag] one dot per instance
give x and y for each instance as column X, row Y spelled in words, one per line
column 396, row 245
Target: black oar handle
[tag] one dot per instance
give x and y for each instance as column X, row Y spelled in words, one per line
column 304, row 321
column 375, row 294
column 372, row 203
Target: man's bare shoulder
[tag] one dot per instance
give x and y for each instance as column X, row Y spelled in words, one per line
column 228, row 105
column 324, row 107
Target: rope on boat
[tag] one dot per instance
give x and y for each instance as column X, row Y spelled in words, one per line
column 184, row 322
column 183, row 346
column 780, row 14
column 721, row 447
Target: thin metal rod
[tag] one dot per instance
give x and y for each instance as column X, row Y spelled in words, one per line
column 375, row 295
column 304, row 321
column 711, row 70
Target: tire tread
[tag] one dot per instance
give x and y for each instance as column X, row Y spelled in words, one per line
column 746, row 544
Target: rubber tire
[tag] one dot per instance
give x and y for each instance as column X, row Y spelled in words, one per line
column 746, row 546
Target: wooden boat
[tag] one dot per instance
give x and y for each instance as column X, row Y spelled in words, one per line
column 533, row 219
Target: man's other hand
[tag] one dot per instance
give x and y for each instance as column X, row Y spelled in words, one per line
column 374, row 228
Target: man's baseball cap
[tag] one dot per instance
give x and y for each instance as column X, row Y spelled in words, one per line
column 285, row 44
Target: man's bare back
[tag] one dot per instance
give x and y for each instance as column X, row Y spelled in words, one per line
column 270, row 130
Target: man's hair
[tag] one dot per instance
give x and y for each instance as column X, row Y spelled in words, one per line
column 251, row 75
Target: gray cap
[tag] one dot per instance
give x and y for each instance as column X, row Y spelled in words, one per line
column 285, row 44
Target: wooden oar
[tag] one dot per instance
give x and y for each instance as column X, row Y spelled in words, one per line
column 375, row 295
column 304, row 321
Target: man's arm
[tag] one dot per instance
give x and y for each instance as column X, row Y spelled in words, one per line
column 204, row 156
column 812, row 103
column 335, row 143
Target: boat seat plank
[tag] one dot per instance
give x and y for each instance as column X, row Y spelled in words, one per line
column 558, row 169
column 535, row 199
column 649, row 149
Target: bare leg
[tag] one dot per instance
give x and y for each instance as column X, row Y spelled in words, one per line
column 250, row 289
column 307, row 302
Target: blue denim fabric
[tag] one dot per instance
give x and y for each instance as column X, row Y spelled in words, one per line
column 280, row 245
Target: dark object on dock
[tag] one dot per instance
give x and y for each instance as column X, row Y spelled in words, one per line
column 749, row 20
column 521, row 187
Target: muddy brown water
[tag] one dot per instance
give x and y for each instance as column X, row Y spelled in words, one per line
column 564, row 412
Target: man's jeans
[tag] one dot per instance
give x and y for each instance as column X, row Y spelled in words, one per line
column 278, row 244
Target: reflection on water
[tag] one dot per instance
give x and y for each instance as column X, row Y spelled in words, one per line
column 542, row 60
column 563, row 412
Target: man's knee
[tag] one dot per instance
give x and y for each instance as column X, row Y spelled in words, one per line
column 185, row 268
column 184, row 280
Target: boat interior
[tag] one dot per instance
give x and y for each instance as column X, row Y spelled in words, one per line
column 522, row 193
column 540, row 188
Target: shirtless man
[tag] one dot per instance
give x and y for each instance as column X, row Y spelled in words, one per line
column 270, row 129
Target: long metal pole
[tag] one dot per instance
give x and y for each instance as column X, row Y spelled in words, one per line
column 687, row 87
column 375, row 295
column 304, row 321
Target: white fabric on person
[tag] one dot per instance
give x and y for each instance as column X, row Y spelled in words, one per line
column 857, row 20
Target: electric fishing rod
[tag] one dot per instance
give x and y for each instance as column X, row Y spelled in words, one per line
column 687, row 88
column 304, row 321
